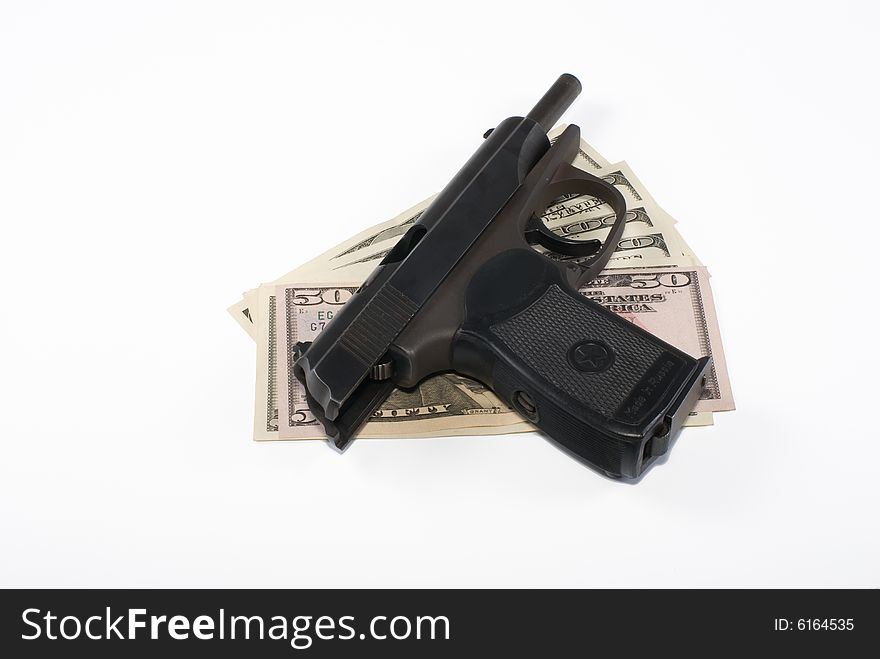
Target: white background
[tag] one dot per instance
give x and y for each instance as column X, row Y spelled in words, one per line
column 158, row 158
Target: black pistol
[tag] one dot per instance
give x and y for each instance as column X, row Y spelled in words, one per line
column 464, row 290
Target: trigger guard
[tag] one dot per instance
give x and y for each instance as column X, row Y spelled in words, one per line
column 570, row 180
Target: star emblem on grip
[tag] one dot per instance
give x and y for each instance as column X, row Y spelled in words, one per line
column 590, row 356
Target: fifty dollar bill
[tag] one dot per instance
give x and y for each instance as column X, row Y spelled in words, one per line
column 672, row 303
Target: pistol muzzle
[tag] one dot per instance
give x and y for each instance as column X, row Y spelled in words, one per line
column 556, row 101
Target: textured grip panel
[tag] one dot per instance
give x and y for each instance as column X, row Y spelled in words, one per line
column 603, row 388
column 562, row 339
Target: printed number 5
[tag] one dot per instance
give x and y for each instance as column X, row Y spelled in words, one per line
column 300, row 417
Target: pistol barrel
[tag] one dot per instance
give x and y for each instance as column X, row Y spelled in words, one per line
column 556, row 101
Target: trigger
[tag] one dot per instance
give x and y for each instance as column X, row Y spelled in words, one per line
column 537, row 232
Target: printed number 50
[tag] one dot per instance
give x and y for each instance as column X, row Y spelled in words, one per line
column 667, row 279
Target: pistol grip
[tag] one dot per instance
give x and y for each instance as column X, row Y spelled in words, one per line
column 604, row 389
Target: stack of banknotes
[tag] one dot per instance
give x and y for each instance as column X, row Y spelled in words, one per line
column 653, row 279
